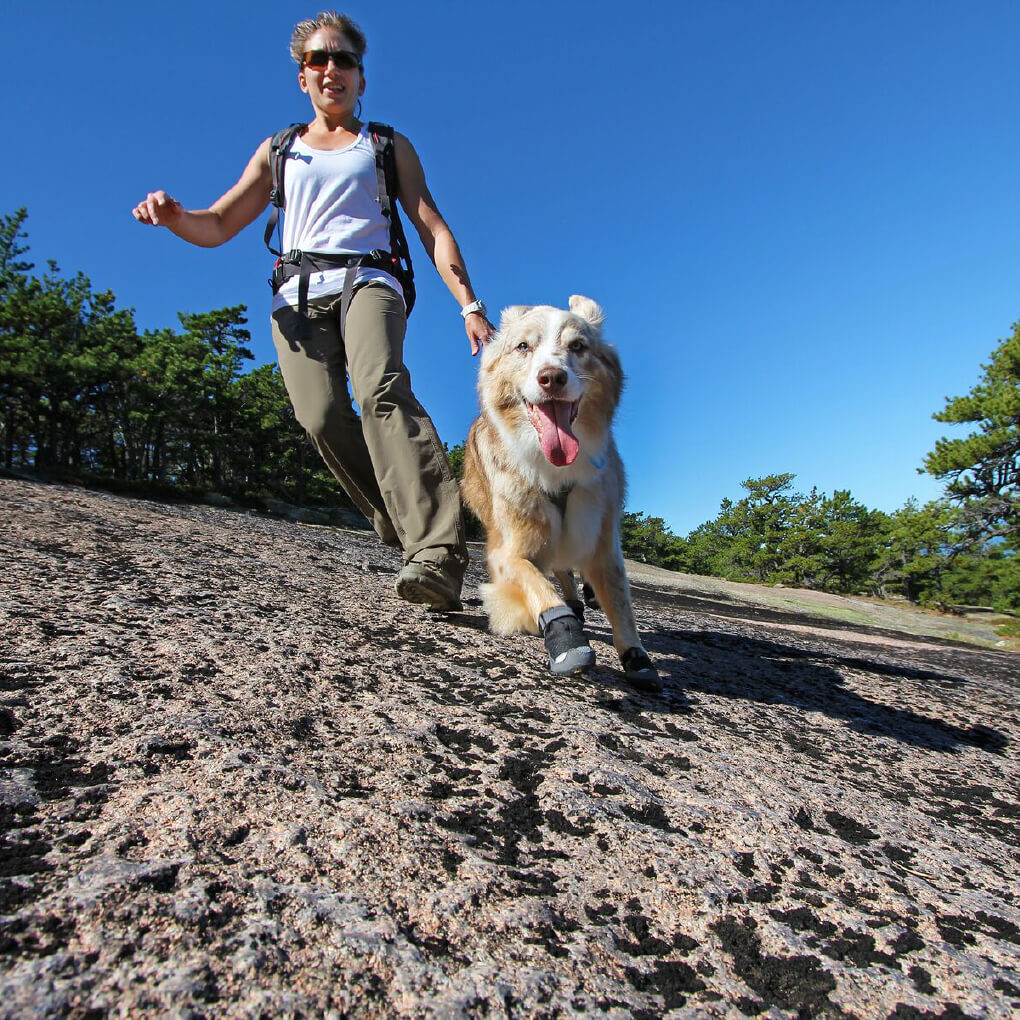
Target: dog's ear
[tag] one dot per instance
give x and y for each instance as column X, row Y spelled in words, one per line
column 587, row 310
column 512, row 314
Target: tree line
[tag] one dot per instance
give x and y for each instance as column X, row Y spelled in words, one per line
column 961, row 549
column 927, row 553
column 85, row 396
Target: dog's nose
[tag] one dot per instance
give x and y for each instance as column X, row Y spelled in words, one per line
column 552, row 378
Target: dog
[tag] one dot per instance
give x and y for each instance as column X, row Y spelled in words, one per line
column 542, row 474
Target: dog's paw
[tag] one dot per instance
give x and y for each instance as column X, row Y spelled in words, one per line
column 568, row 648
column 640, row 671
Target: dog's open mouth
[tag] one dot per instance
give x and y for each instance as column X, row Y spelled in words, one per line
column 552, row 421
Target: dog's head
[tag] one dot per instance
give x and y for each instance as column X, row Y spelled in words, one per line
column 550, row 379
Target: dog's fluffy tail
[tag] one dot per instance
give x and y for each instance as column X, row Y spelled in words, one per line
column 507, row 608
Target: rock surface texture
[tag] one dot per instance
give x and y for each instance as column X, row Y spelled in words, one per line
column 239, row 777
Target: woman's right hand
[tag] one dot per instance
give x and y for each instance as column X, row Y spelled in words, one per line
column 224, row 218
column 158, row 209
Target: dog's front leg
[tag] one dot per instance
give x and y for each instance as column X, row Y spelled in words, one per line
column 518, row 595
column 521, row 597
column 609, row 579
column 606, row 574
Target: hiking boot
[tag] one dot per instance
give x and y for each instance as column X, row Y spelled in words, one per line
column 640, row 671
column 425, row 584
column 568, row 648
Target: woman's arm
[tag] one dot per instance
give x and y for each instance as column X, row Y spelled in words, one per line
column 225, row 218
column 437, row 238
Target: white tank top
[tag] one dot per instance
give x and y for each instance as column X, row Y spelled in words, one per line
column 332, row 205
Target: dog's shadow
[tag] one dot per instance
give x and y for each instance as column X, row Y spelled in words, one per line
column 468, row 620
column 769, row 672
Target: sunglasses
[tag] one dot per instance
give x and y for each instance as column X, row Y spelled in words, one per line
column 343, row 59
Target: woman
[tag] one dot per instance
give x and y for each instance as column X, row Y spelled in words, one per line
column 390, row 460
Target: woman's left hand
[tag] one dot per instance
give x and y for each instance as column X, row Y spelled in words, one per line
column 479, row 330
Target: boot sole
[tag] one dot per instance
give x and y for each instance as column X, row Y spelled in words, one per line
column 422, row 594
column 645, row 680
column 573, row 661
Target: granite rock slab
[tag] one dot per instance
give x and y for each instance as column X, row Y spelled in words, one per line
column 239, row 777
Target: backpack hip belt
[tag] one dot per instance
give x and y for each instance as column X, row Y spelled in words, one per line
column 303, row 263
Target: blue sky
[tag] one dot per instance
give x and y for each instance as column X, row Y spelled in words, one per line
column 800, row 217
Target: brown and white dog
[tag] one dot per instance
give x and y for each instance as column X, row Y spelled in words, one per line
column 542, row 474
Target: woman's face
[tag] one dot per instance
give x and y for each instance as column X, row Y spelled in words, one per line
column 334, row 89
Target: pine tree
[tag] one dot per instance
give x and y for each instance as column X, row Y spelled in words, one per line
column 983, row 468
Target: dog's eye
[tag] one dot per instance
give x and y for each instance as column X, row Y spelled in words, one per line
column 523, row 347
column 577, row 346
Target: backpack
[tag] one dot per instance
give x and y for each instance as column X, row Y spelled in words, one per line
column 397, row 261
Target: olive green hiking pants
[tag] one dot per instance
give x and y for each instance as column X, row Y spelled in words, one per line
column 389, row 460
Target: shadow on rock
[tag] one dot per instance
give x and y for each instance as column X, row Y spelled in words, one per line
column 751, row 669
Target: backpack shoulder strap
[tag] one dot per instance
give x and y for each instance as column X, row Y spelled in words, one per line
column 385, row 164
column 386, row 174
column 279, row 146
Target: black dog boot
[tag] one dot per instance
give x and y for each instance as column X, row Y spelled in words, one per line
column 640, row 671
column 568, row 648
column 589, row 596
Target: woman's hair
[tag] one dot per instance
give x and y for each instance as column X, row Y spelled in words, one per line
column 303, row 30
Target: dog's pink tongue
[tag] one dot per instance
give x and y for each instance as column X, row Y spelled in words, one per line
column 559, row 444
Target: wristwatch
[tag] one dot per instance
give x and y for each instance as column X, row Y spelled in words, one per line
column 475, row 306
